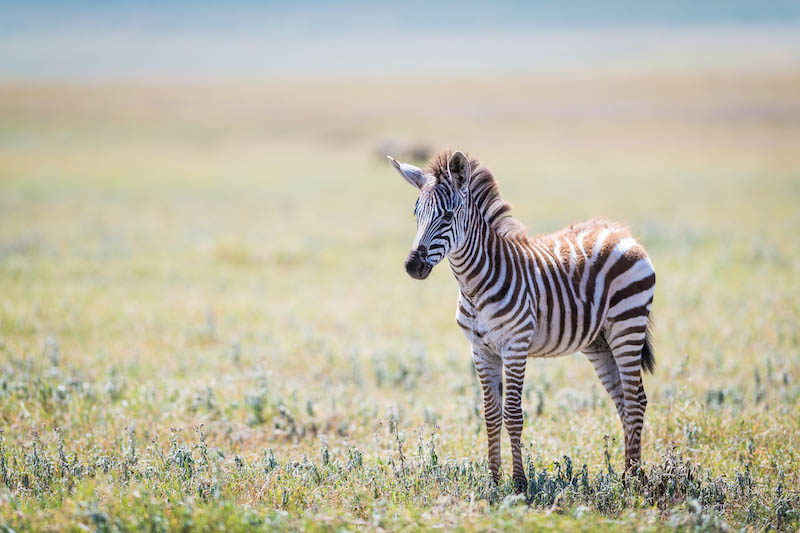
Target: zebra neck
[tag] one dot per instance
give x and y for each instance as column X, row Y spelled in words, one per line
column 473, row 263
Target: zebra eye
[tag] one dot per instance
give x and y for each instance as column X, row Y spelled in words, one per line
column 447, row 215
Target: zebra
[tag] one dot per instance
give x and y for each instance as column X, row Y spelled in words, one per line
column 588, row 287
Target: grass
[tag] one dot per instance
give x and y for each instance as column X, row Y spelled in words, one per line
column 205, row 323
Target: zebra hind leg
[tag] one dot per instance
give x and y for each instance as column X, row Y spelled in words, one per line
column 599, row 354
column 626, row 345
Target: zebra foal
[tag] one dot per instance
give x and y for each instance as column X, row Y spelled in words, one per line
column 588, row 287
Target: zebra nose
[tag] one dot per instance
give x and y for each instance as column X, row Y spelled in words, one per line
column 415, row 265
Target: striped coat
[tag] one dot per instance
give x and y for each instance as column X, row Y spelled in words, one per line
column 586, row 288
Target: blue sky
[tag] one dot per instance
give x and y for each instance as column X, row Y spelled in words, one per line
column 333, row 16
column 100, row 40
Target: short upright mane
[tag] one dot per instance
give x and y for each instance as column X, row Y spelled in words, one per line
column 486, row 194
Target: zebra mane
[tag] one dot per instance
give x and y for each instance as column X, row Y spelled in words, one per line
column 486, row 194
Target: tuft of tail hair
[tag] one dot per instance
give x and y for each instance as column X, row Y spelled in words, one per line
column 648, row 357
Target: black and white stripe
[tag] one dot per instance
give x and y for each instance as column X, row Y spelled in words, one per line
column 586, row 288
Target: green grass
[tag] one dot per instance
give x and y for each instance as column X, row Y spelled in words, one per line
column 205, row 322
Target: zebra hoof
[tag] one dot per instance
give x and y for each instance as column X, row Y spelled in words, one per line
column 634, row 472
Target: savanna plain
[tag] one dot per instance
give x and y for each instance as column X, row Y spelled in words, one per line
column 205, row 322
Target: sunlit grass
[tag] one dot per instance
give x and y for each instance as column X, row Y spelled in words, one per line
column 204, row 318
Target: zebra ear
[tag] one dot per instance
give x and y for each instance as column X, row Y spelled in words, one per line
column 412, row 174
column 460, row 170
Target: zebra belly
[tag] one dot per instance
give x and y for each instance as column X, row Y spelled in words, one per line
column 561, row 353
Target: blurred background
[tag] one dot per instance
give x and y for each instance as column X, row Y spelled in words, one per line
column 257, row 41
column 195, row 208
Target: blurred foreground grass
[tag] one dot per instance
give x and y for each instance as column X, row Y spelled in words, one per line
column 204, row 318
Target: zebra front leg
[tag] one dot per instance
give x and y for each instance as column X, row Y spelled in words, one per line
column 512, row 414
column 489, row 368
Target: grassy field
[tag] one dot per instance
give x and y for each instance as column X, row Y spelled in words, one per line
column 205, row 322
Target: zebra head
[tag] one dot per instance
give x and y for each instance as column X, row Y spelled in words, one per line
column 440, row 213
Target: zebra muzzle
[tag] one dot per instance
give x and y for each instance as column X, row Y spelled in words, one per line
column 416, row 266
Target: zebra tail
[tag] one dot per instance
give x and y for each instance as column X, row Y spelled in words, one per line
column 648, row 357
